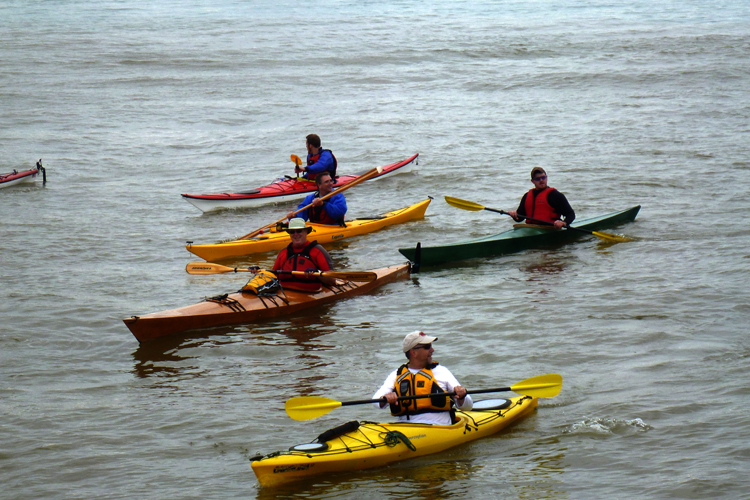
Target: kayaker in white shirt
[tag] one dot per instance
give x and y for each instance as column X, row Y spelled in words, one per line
column 423, row 377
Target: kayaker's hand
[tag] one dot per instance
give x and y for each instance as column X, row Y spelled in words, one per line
column 460, row 392
column 391, row 398
column 298, row 169
column 317, row 202
column 513, row 214
column 290, row 215
column 559, row 224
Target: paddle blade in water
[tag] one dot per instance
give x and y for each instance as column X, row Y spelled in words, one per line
column 618, row 238
column 541, row 386
column 309, row 407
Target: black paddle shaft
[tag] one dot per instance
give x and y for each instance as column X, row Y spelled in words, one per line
column 405, row 398
column 539, row 221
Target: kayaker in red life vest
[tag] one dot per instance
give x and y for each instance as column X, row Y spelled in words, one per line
column 302, row 255
column 330, row 211
column 318, row 159
column 544, row 203
column 420, row 375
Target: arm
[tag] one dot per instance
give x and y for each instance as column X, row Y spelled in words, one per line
column 336, row 206
column 521, row 210
column 303, row 214
column 387, row 388
column 325, row 162
column 279, row 259
column 323, row 262
column 559, row 202
column 448, row 383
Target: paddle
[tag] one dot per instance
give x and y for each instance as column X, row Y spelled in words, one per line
column 475, row 207
column 309, row 407
column 297, row 162
column 205, row 268
column 373, row 172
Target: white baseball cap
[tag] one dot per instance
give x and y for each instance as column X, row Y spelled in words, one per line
column 415, row 338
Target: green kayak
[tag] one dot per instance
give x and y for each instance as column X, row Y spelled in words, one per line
column 521, row 237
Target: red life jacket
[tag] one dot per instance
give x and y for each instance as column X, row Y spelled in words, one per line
column 311, row 160
column 291, row 260
column 538, row 208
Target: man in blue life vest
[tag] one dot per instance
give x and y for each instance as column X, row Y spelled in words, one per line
column 318, row 160
column 330, row 211
column 544, row 203
column 302, row 255
column 421, row 376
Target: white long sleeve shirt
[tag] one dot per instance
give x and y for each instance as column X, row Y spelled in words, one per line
column 444, row 379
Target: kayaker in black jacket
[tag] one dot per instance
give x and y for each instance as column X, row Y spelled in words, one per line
column 544, row 203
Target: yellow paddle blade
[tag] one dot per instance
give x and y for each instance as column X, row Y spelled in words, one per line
column 208, row 268
column 464, row 204
column 541, row 386
column 611, row 237
column 296, row 159
column 309, row 407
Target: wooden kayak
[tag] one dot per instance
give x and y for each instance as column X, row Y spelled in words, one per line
column 321, row 233
column 288, row 188
column 16, row 177
column 377, row 444
column 243, row 308
column 521, row 237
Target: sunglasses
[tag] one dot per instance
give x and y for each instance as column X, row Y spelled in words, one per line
column 540, row 178
column 426, row 347
column 296, row 231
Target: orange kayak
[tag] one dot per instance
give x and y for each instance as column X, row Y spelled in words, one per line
column 243, row 308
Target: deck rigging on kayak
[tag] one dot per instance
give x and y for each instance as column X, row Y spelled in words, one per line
column 241, row 308
column 362, row 445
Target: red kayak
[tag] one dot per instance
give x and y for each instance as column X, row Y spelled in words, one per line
column 289, row 188
column 17, row 177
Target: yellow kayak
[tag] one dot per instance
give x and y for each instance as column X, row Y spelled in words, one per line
column 357, row 446
column 276, row 240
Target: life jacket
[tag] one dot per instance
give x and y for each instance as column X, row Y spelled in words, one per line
column 417, row 384
column 299, row 261
column 318, row 215
column 537, row 206
column 311, row 160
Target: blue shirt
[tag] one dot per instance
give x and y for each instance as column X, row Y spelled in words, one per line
column 325, row 162
column 335, row 206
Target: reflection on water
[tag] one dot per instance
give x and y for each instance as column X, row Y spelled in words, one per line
column 166, row 357
column 534, row 474
column 425, row 478
column 545, row 266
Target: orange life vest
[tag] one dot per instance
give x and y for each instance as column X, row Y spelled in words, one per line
column 537, row 206
column 420, row 383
